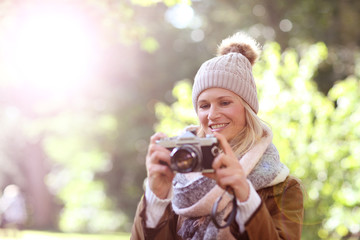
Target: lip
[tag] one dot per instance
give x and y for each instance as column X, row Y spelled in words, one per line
column 217, row 127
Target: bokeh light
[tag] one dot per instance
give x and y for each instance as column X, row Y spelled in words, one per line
column 49, row 48
column 285, row 25
column 180, row 15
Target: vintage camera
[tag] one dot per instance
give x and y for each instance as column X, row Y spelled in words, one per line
column 190, row 153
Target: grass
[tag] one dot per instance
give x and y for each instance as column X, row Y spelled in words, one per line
column 42, row 235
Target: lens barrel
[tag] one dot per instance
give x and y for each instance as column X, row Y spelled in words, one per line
column 185, row 159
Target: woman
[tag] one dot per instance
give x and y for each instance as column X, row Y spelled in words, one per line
column 269, row 202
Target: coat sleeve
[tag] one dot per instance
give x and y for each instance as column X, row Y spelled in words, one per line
column 279, row 216
column 166, row 229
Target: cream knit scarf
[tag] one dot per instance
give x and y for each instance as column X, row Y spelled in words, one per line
column 194, row 194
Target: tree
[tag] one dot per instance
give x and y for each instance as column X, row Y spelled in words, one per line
column 69, row 143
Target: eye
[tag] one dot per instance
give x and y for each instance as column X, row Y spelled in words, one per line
column 225, row 103
column 204, row 105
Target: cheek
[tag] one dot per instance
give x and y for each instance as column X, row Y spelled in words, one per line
column 202, row 118
column 242, row 119
column 238, row 117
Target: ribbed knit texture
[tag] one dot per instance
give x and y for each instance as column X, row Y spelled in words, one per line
column 233, row 72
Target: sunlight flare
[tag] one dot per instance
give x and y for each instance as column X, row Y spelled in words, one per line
column 51, row 49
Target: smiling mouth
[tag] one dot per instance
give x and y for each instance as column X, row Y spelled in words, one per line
column 218, row 126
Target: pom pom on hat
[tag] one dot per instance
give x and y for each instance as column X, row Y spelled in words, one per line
column 240, row 43
column 231, row 70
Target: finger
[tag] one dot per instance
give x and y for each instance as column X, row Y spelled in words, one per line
column 237, row 183
column 225, row 146
column 159, row 157
column 218, row 161
column 157, row 136
column 223, row 160
column 225, row 172
column 159, row 170
column 153, row 147
column 228, row 179
column 162, row 170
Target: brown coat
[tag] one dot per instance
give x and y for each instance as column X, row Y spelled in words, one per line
column 279, row 216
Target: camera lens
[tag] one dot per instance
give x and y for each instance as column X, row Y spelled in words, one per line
column 184, row 159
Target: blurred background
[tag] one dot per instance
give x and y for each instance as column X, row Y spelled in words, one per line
column 85, row 83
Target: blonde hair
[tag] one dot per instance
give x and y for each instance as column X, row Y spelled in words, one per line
column 253, row 131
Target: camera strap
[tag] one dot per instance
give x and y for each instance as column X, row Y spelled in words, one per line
column 232, row 215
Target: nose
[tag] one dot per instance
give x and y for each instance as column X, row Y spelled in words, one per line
column 213, row 113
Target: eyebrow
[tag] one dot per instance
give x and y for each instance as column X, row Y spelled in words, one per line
column 218, row 98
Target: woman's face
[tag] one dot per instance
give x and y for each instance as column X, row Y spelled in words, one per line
column 220, row 110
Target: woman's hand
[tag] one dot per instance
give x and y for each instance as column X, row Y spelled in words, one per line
column 228, row 171
column 160, row 175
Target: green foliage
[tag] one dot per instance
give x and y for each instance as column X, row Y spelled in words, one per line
column 316, row 139
column 173, row 119
column 317, row 136
column 70, row 236
column 78, row 159
column 149, row 44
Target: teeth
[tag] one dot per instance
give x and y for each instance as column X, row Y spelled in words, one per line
column 217, row 126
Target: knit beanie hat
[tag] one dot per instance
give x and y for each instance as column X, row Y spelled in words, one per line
column 231, row 70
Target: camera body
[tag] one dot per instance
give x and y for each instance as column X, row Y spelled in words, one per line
column 190, row 153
